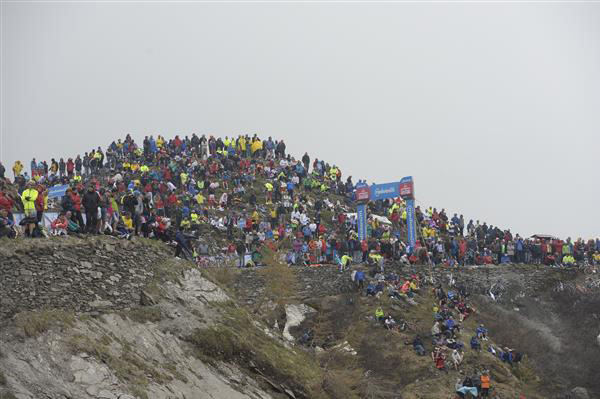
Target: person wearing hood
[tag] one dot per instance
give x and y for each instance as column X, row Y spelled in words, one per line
column 28, row 197
column 91, row 201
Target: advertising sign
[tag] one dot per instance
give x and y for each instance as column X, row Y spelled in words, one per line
column 361, row 216
column 410, row 222
column 383, row 191
column 363, row 193
column 57, row 191
column 407, row 188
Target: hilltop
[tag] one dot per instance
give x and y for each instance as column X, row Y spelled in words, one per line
column 273, row 291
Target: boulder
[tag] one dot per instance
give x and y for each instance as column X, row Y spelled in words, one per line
column 579, row 393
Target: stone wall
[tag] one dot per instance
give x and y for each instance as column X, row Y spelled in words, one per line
column 312, row 282
column 93, row 273
column 505, row 281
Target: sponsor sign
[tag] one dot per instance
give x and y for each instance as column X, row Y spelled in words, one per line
column 410, row 223
column 407, row 187
column 361, row 221
column 57, row 191
column 383, row 191
column 363, row 193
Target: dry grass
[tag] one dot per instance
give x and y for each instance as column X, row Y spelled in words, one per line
column 38, row 322
column 6, row 394
column 143, row 314
column 280, row 280
column 222, row 276
column 127, row 365
column 238, row 340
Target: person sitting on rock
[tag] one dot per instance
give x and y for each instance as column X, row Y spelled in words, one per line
column 439, row 358
column 125, row 225
column 390, row 323
column 418, row 346
column 475, row 344
column 379, row 315
column 371, row 291
column 59, row 225
column 485, row 384
column 451, row 324
column 435, row 329
column 457, row 358
column 454, row 344
column 6, row 224
column 481, row 332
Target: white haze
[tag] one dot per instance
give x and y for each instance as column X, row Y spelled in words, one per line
column 493, row 108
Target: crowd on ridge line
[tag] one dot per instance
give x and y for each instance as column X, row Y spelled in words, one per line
column 168, row 189
column 449, row 312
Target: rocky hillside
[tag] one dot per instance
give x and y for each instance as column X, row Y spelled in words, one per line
column 100, row 317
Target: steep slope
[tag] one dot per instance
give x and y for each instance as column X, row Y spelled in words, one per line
column 168, row 329
column 147, row 349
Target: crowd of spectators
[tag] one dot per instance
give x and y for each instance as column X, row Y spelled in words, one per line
column 256, row 193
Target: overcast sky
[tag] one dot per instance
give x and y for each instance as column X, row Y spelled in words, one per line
column 494, row 109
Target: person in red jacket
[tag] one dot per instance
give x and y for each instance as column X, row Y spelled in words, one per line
column 76, row 198
column 70, row 167
column 40, row 203
column 59, row 225
column 364, row 248
column 6, row 203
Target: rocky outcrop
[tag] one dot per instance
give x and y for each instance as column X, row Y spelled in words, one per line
column 312, row 282
column 113, row 356
column 80, row 275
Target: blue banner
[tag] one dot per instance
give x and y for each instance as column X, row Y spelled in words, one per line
column 410, row 223
column 383, row 191
column 361, row 221
column 57, row 191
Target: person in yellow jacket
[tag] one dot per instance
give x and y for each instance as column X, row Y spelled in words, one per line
column 128, row 222
column 333, row 172
column 242, row 144
column 144, row 169
column 160, row 141
column 17, row 168
column 269, row 188
column 28, row 198
column 256, row 146
column 200, row 199
column 185, row 224
column 379, row 315
column 194, row 219
column 255, row 217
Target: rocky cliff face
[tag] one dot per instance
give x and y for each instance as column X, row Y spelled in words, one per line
column 82, row 331
column 80, row 275
column 106, row 318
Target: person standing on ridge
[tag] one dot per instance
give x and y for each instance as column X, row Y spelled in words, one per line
column 306, row 161
column 28, row 198
column 91, row 201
